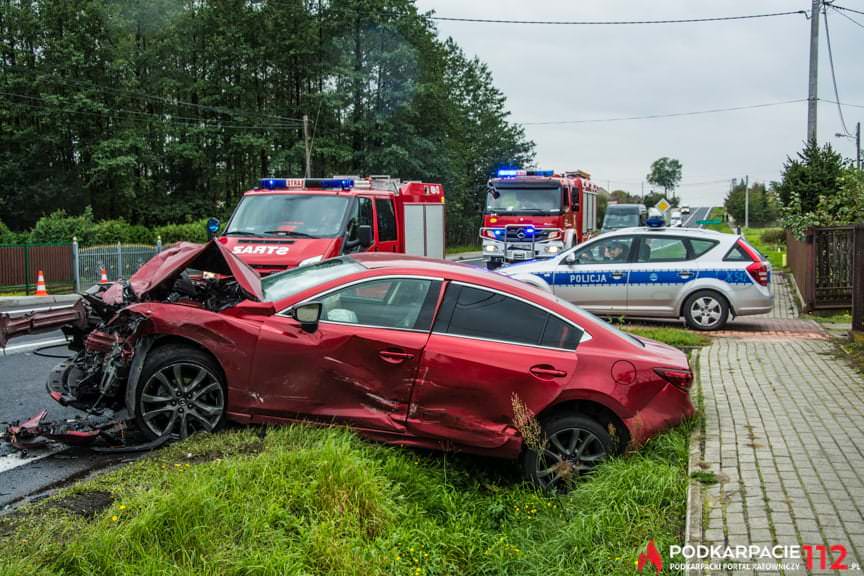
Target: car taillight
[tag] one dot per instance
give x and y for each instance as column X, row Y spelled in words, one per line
column 759, row 272
column 677, row 377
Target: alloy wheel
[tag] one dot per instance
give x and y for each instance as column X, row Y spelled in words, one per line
column 706, row 311
column 181, row 399
column 569, row 453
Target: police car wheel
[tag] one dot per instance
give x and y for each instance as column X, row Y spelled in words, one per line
column 706, row 310
column 572, row 446
column 181, row 392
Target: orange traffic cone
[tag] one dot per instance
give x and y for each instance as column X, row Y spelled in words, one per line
column 41, row 290
column 104, row 278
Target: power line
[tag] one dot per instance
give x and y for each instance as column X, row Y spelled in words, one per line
column 171, row 101
column 669, row 115
column 618, row 22
column 46, row 104
column 834, row 73
column 838, row 7
column 844, row 15
column 842, row 103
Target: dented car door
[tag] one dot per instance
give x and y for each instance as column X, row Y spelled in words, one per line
column 358, row 366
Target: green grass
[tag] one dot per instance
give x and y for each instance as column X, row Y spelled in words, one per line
column 837, row 317
column 718, row 213
column 774, row 252
column 321, row 501
column 678, row 337
column 458, row 249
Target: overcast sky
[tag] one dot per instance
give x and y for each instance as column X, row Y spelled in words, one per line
column 554, row 73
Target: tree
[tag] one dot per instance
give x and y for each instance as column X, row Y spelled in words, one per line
column 813, row 174
column 763, row 205
column 665, row 172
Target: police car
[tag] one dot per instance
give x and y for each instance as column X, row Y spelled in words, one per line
column 702, row 275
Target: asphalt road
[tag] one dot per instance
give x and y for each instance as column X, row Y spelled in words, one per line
column 696, row 214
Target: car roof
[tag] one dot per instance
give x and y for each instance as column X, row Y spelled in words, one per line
column 677, row 231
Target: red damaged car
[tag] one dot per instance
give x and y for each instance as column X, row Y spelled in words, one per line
column 406, row 350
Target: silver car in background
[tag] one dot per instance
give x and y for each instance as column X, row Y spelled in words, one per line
column 702, row 275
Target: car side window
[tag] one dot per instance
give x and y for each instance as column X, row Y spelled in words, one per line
column 659, row 249
column 404, row 303
column 614, row 250
column 468, row 311
column 700, row 247
column 362, row 215
column 737, row 254
column 386, row 220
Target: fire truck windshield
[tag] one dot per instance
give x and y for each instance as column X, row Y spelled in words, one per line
column 525, row 200
column 298, row 215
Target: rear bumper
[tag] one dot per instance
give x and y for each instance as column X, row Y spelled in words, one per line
column 669, row 407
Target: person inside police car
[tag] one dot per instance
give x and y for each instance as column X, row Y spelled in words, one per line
column 615, row 252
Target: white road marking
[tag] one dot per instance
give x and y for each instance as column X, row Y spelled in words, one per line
column 14, row 460
column 29, row 345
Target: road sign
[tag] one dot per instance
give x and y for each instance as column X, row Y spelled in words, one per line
column 707, row 222
column 663, row 205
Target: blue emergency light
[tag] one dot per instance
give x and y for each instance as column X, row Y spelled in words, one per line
column 273, row 183
column 547, row 173
column 656, row 221
column 510, row 172
column 329, row 183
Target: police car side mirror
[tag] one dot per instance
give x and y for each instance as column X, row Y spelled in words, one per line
column 571, row 259
column 364, row 235
column 307, row 315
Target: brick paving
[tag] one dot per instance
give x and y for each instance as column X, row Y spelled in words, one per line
column 784, row 434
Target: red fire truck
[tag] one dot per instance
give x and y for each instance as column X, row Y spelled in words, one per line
column 536, row 214
column 288, row 222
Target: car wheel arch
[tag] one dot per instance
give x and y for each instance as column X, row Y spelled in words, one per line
column 148, row 345
column 594, row 409
column 714, row 289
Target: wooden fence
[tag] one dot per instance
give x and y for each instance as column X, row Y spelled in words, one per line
column 824, row 264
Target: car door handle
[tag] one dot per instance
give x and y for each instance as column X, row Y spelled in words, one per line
column 617, row 275
column 394, row 356
column 685, row 274
column 546, row 371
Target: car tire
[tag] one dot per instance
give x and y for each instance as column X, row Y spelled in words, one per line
column 181, row 391
column 706, row 310
column 493, row 264
column 574, row 444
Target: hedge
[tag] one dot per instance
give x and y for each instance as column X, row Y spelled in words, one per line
column 58, row 228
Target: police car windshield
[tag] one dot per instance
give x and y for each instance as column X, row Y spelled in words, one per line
column 525, row 200
column 297, row 215
column 291, row 282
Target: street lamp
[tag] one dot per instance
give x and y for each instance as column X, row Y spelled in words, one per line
column 857, row 138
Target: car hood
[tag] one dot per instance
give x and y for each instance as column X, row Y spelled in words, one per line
column 163, row 269
column 282, row 253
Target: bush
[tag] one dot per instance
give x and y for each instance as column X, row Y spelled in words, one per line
column 113, row 231
column 195, row 231
column 7, row 236
column 58, row 227
column 774, row 236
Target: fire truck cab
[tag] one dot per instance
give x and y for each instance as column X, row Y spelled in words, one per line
column 289, row 222
column 536, row 214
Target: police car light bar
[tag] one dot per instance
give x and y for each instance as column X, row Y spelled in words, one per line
column 656, row 222
column 510, row 173
column 548, row 173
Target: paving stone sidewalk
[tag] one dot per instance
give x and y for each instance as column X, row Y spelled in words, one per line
column 784, row 434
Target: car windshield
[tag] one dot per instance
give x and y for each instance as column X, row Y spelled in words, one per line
column 620, row 219
column 298, row 215
column 533, row 200
column 291, row 282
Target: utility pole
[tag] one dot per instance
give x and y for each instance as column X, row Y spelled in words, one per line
column 813, row 95
column 643, row 192
column 858, row 145
column 747, row 201
column 306, row 145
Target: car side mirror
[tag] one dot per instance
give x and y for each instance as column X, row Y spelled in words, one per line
column 571, row 259
column 307, row 315
column 364, row 235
